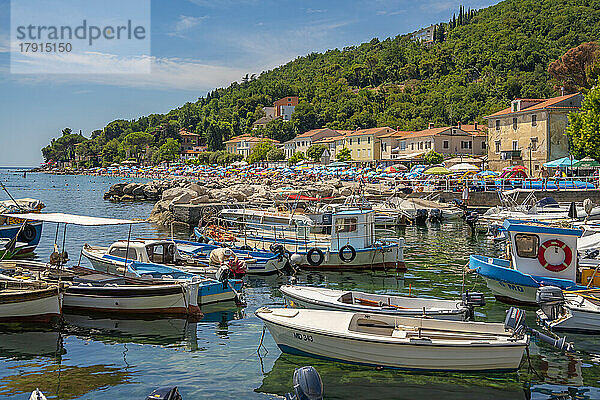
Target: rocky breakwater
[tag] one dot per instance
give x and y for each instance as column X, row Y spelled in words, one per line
column 196, row 203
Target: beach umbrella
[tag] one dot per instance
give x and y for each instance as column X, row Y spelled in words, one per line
column 437, row 171
column 586, row 162
column 561, row 163
column 487, row 173
column 463, row 167
column 338, row 164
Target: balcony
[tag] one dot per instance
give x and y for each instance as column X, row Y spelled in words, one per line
column 511, row 155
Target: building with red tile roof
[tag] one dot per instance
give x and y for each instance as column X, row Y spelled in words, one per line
column 530, row 132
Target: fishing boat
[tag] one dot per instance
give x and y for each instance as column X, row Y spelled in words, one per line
column 28, row 300
column 395, row 342
column 540, row 255
column 569, row 311
column 348, row 241
column 88, row 290
column 150, row 259
column 257, row 262
column 27, row 234
column 355, row 301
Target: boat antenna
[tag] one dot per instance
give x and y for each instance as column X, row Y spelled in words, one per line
column 11, row 197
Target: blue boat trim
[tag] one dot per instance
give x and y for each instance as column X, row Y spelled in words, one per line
column 513, row 225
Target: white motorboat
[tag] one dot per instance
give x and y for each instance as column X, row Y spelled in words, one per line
column 395, row 342
column 29, row 300
column 355, row 301
column 576, row 311
column 348, row 241
column 107, row 296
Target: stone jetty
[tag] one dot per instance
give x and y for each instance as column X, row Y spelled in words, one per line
column 189, row 202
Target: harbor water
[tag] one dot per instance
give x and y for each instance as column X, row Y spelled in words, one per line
column 102, row 357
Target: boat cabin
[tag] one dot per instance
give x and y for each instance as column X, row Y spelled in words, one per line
column 543, row 250
column 353, row 227
column 146, row 251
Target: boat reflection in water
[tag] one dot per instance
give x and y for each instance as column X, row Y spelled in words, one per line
column 342, row 381
column 29, row 342
column 178, row 332
column 45, row 367
column 221, row 314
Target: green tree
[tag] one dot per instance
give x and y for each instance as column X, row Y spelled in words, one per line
column 136, row 144
column 315, row 152
column 584, row 127
column 169, row 151
column 344, row 155
column 296, row 158
column 260, row 151
column 276, row 154
column 432, row 157
column 110, row 152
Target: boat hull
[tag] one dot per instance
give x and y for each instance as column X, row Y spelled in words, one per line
column 176, row 299
column 365, row 350
column 9, row 231
column 301, row 297
column 37, row 306
column 512, row 286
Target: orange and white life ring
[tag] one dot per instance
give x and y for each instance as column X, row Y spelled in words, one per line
column 555, row 267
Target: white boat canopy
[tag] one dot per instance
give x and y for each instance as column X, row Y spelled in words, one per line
column 73, row 219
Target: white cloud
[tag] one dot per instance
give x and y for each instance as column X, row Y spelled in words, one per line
column 165, row 73
column 184, row 24
column 316, row 10
column 390, row 13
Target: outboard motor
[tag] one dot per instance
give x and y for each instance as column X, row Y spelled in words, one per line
column 435, row 215
column 421, row 216
column 471, row 219
column 551, row 301
column 307, row 385
column 591, row 253
column 515, row 322
column 472, row 300
column 165, row 393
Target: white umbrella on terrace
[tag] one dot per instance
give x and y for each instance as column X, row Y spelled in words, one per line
column 463, row 167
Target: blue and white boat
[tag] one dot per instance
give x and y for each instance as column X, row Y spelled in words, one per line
column 258, row 262
column 540, row 255
column 150, row 259
column 29, row 233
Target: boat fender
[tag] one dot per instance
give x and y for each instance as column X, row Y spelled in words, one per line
column 310, row 259
column 28, row 233
column 555, row 267
column 342, row 253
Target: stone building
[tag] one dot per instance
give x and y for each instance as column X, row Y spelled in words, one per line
column 530, row 132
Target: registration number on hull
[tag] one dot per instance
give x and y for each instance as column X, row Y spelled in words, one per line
column 303, row 336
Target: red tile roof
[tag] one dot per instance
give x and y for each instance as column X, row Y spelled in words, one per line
column 371, row 131
column 312, row 132
column 183, row 132
column 249, row 138
column 541, row 105
column 396, row 134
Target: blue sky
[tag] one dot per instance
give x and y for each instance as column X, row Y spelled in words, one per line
column 197, row 45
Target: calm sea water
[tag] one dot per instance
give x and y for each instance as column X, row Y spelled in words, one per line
column 100, row 358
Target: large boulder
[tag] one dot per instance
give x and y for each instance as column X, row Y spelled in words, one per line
column 151, row 192
column 138, row 192
column 130, row 187
column 185, row 197
column 200, row 190
column 201, row 200
column 172, row 193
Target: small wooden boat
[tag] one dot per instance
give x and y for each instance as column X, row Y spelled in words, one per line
column 29, row 301
column 395, row 342
column 355, row 301
column 28, row 235
column 569, row 311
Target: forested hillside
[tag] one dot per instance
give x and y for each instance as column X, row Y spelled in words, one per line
column 479, row 65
